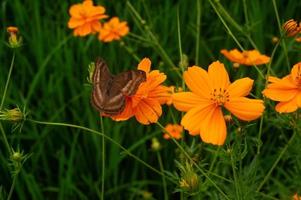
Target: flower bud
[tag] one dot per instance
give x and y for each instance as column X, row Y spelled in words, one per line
column 14, row 115
column 156, row 146
column 14, row 41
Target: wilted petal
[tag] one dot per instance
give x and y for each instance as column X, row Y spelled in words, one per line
column 244, row 108
column 240, row 87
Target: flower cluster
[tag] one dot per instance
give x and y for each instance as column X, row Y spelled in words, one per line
column 86, row 19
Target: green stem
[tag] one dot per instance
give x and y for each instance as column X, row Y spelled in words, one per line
column 2, row 102
column 129, row 50
column 198, row 31
column 163, row 178
column 266, row 83
column 153, row 38
column 103, row 161
column 180, row 47
column 280, row 31
column 192, row 161
column 106, row 137
column 8, row 80
column 12, row 188
column 277, row 160
column 237, row 189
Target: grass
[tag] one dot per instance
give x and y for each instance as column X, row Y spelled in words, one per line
column 261, row 161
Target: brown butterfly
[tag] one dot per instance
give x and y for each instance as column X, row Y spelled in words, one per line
column 109, row 91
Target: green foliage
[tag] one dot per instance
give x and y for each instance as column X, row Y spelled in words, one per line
column 49, row 80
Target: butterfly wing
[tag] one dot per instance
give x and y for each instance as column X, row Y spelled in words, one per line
column 108, row 95
column 124, row 84
column 101, row 79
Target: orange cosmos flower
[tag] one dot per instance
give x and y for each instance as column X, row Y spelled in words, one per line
column 145, row 105
column 286, row 90
column 113, row 30
column 210, row 91
column 85, row 18
column 174, row 130
column 296, row 197
column 250, row 57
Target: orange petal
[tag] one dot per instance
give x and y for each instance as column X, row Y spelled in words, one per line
column 245, row 108
column 148, row 111
column 233, row 55
column 126, row 113
column 73, row 22
column 218, row 75
column 75, row 10
column 240, row 87
column 193, row 119
column 296, row 72
column 184, row 101
column 280, row 94
column 145, row 65
column 213, row 128
column 197, row 80
column 287, row 107
column 273, row 79
column 161, row 93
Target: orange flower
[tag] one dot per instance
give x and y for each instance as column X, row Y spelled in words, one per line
column 291, row 28
column 174, row 130
column 250, row 57
column 12, row 30
column 286, row 90
column 145, row 105
column 85, row 18
column 210, row 91
column 296, row 197
column 113, row 30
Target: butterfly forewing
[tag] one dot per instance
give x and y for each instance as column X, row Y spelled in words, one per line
column 109, row 91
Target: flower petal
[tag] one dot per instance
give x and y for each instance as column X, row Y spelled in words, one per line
column 218, row 75
column 193, row 119
column 126, row 113
column 184, row 101
column 287, row 107
column 296, row 72
column 240, row 87
column 245, row 108
column 197, row 80
column 148, row 111
column 145, row 65
column 213, row 127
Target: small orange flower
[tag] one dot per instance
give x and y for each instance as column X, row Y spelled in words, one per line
column 250, row 57
column 174, row 130
column 85, row 18
column 145, row 105
column 296, row 197
column 286, row 90
column 12, row 30
column 210, row 91
column 113, row 30
column 291, row 28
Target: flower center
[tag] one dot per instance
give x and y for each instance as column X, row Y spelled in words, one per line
column 245, row 54
column 219, row 96
column 298, row 77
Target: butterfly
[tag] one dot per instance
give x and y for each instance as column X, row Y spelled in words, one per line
column 110, row 91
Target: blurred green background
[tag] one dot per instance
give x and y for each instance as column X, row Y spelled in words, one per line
column 49, row 79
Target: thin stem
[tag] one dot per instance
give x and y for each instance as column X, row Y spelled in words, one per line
column 12, row 188
column 192, row 161
column 198, row 31
column 163, row 178
column 2, row 102
column 180, row 47
column 246, row 12
column 280, row 31
column 103, row 161
column 106, row 137
column 153, row 38
column 8, row 80
column 129, row 50
column 266, row 82
column 277, row 160
column 237, row 189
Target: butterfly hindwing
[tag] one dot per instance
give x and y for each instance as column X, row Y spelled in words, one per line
column 108, row 95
